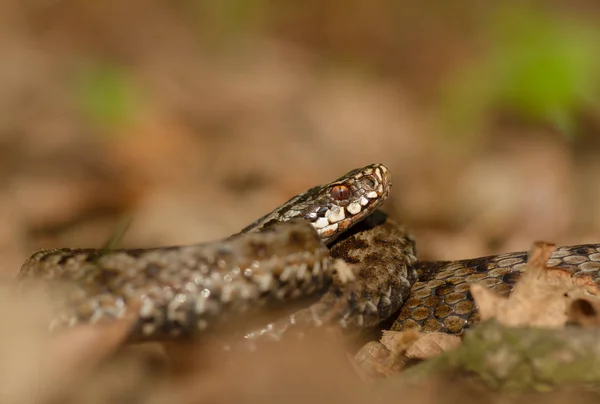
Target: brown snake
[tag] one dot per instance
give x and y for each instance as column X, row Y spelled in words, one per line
column 299, row 249
column 185, row 290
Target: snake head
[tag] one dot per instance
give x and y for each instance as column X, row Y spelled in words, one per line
column 334, row 207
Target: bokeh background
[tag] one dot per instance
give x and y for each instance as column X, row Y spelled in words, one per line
column 189, row 119
column 154, row 122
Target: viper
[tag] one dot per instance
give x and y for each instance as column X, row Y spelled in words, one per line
column 331, row 241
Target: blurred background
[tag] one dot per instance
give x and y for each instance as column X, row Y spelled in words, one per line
column 189, row 119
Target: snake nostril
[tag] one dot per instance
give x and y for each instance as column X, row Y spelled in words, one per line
column 369, row 182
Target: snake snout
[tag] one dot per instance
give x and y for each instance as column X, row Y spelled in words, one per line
column 384, row 175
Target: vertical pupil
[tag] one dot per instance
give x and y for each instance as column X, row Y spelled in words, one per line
column 340, row 192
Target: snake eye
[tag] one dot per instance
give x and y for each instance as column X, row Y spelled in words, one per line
column 369, row 182
column 340, row 192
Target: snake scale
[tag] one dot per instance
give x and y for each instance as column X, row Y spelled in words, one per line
column 308, row 246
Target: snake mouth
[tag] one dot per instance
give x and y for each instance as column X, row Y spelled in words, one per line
column 385, row 177
column 355, row 197
column 377, row 196
column 335, row 207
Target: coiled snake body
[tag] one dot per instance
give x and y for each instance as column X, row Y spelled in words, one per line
column 304, row 247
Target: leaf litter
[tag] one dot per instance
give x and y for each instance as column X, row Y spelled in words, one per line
column 543, row 297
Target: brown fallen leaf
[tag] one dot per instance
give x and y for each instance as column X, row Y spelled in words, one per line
column 400, row 341
column 416, row 345
column 387, row 357
column 383, row 358
column 433, row 344
column 374, row 361
column 540, row 298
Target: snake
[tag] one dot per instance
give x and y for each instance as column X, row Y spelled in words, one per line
column 331, row 241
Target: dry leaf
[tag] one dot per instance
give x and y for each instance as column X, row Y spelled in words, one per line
column 385, row 358
column 540, row 298
column 399, row 341
column 374, row 361
column 431, row 345
column 416, row 345
column 382, row 359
